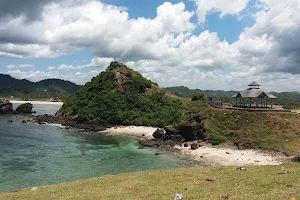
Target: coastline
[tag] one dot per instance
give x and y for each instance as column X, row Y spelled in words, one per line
column 208, row 154
column 37, row 102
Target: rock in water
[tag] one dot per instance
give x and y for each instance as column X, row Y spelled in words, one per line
column 25, row 108
column 5, row 107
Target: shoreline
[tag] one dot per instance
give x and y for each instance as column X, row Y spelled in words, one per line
column 37, row 102
column 208, row 154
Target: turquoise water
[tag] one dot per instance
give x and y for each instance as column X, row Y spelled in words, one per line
column 32, row 154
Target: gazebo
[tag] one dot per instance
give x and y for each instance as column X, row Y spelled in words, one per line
column 254, row 96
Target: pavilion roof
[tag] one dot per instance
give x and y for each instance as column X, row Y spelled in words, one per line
column 254, row 84
column 254, row 94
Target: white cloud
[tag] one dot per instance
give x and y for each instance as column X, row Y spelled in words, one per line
column 165, row 48
column 51, row 68
column 100, row 62
column 225, row 7
column 20, row 66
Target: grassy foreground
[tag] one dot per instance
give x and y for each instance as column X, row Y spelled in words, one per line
column 260, row 182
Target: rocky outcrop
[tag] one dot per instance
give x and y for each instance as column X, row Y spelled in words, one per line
column 70, row 121
column 25, row 108
column 185, row 133
column 6, row 107
column 159, row 134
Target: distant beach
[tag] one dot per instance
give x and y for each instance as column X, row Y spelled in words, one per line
column 38, row 102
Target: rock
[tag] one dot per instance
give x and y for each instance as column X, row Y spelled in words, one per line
column 42, row 123
column 10, row 121
column 185, row 145
column 194, row 146
column 6, row 107
column 159, row 134
column 25, row 108
column 23, row 122
column 298, row 133
column 227, row 153
column 143, row 135
column 157, row 154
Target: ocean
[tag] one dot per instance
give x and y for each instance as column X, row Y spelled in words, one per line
column 33, row 155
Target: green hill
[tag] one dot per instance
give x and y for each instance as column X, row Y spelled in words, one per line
column 44, row 89
column 121, row 96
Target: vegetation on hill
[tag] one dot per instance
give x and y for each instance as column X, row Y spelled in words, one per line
column 121, row 96
column 45, row 89
column 256, row 183
column 290, row 100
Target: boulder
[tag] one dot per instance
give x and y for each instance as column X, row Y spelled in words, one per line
column 185, row 145
column 6, row 107
column 25, row 108
column 194, row 146
column 10, row 121
column 159, row 134
column 23, row 122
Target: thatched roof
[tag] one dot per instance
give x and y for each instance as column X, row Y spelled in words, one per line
column 254, row 84
column 254, row 94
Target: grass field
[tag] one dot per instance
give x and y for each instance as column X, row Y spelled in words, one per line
column 265, row 182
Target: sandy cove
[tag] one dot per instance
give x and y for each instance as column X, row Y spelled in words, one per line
column 38, row 102
column 136, row 131
column 225, row 156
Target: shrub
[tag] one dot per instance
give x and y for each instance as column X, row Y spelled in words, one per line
column 198, row 97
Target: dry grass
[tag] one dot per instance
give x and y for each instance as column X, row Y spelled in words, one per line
column 263, row 182
column 276, row 131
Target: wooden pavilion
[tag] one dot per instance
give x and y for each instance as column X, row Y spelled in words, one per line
column 254, row 97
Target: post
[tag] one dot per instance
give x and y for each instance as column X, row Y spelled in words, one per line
column 271, row 103
column 249, row 102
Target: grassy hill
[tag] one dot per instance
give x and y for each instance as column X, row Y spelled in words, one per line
column 260, row 182
column 25, row 89
column 121, row 96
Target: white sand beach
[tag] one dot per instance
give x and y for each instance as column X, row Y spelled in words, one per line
column 38, row 102
column 137, row 131
column 225, row 156
column 231, row 156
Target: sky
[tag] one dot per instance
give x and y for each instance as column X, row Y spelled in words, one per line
column 203, row 44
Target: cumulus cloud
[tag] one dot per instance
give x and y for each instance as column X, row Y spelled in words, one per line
column 164, row 48
column 104, row 28
column 272, row 44
column 225, row 7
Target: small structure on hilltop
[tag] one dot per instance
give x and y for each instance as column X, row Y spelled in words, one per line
column 254, row 97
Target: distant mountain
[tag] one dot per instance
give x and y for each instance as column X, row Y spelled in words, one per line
column 44, row 89
column 290, row 100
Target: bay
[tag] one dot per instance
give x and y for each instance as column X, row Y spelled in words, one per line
column 33, row 155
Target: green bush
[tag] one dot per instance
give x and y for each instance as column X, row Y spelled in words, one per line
column 198, row 97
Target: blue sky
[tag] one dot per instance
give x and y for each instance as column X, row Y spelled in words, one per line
column 197, row 43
